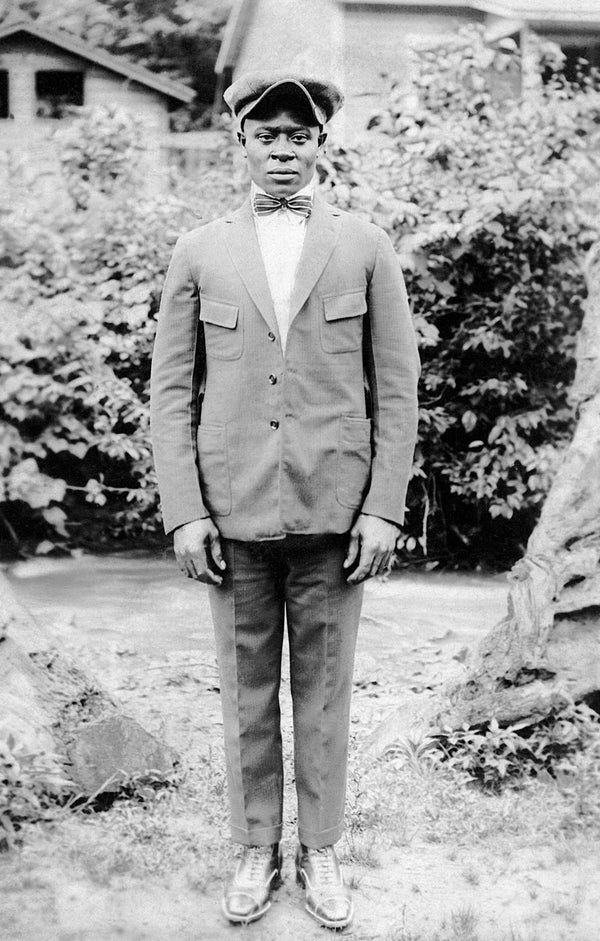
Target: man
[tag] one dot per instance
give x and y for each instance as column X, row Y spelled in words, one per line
column 284, row 421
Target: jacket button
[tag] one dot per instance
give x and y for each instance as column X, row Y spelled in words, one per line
column 272, row 379
column 271, row 336
column 274, row 425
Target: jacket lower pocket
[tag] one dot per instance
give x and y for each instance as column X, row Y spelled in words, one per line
column 213, row 467
column 354, row 461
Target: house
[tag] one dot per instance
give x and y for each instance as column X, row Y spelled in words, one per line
column 44, row 72
column 358, row 42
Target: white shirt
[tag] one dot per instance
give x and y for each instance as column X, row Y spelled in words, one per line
column 281, row 237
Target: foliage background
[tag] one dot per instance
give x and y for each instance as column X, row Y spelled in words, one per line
column 487, row 195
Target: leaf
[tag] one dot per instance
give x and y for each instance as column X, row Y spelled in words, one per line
column 56, row 518
column 44, row 547
column 469, row 420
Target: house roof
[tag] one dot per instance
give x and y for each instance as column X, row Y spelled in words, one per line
column 558, row 13
column 135, row 73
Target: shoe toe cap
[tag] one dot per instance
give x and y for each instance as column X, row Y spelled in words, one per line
column 241, row 904
column 337, row 909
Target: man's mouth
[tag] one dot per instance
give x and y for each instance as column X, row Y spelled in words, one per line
column 282, row 172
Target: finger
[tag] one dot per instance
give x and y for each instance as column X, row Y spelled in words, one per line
column 363, row 569
column 353, row 547
column 216, row 552
column 383, row 566
column 204, row 572
column 197, row 567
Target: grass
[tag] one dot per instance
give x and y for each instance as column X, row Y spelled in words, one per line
column 402, row 813
column 393, row 809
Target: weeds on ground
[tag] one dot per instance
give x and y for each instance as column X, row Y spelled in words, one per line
column 475, row 785
column 148, row 824
column 563, row 745
column 175, row 829
column 30, row 785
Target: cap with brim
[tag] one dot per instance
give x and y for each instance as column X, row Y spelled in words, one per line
column 248, row 108
column 323, row 97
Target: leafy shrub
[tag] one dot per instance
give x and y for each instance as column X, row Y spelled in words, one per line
column 80, row 298
column 99, row 153
column 556, row 746
column 29, row 784
column 486, row 195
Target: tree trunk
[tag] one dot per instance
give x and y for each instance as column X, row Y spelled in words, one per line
column 48, row 705
column 547, row 648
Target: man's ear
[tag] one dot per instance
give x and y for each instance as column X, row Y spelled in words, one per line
column 241, row 138
column 322, row 138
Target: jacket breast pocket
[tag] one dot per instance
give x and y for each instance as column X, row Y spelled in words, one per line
column 223, row 331
column 342, row 321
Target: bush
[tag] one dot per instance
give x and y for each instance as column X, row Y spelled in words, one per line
column 564, row 747
column 483, row 192
column 557, row 747
column 80, row 298
column 29, row 786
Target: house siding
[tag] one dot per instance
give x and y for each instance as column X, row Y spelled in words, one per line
column 377, row 42
column 27, row 138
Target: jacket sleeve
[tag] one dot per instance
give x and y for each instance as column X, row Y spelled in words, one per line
column 392, row 371
column 177, row 369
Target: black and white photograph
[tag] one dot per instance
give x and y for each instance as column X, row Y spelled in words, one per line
column 299, row 470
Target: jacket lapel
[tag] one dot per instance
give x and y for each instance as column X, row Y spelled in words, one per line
column 322, row 233
column 242, row 243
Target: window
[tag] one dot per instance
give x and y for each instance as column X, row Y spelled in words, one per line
column 4, row 102
column 578, row 62
column 57, row 92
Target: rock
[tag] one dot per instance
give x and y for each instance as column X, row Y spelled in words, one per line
column 105, row 753
column 50, row 705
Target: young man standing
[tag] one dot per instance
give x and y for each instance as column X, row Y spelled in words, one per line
column 284, row 423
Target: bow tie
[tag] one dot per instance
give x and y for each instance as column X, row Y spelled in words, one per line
column 264, row 204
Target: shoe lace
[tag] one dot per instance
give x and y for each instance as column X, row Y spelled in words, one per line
column 254, row 862
column 322, row 861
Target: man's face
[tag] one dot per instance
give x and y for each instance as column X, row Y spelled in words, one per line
column 282, row 152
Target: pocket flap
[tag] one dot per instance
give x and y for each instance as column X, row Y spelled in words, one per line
column 218, row 312
column 340, row 306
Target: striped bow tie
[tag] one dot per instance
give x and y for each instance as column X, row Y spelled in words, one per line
column 264, row 204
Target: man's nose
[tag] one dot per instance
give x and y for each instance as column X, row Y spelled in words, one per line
column 282, row 151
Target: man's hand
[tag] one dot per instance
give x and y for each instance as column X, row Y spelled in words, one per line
column 372, row 541
column 198, row 551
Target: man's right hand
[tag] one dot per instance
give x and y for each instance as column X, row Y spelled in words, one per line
column 198, row 551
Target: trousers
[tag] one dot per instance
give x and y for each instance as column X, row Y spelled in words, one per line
column 299, row 580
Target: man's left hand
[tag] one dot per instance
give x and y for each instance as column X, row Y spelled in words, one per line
column 372, row 542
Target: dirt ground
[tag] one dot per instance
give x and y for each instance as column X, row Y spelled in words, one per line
column 429, row 859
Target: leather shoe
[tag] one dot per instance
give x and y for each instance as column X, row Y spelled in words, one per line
column 258, row 872
column 327, row 897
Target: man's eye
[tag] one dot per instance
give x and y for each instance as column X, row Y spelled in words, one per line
column 265, row 138
column 299, row 140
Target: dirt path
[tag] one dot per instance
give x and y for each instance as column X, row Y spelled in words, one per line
column 430, row 861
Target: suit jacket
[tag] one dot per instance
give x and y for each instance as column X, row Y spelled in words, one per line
column 269, row 443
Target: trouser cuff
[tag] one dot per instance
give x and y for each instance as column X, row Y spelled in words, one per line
column 316, row 840
column 261, row 836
